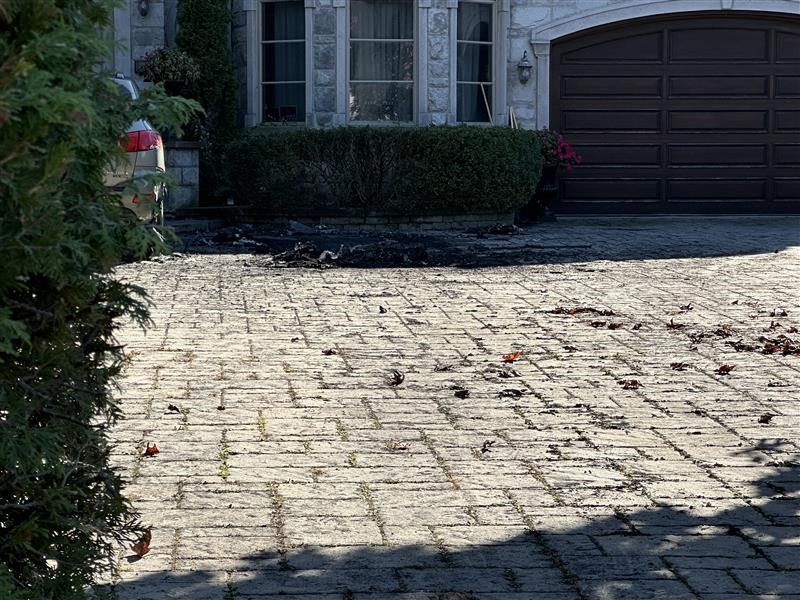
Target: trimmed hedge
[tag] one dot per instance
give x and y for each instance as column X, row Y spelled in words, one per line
column 390, row 170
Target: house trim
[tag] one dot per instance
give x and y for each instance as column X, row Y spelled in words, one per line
column 543, row 36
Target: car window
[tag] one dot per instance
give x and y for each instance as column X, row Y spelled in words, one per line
column 129, row 87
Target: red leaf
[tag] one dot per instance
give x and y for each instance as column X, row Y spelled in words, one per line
column 142, row 547
column 511, row 357
column 151, row 450
column 724, row 369
column 630, row 384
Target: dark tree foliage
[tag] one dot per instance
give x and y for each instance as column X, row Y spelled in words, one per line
column 62, row 513
column 204, row 28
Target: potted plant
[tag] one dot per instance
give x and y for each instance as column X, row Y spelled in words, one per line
column 558, row 155
column 170, row 66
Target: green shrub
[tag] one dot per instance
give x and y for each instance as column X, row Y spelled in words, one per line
column 168, row 64
column 431, row 170
column 61, row 233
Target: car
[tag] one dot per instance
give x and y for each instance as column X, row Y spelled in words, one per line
column 144, row 155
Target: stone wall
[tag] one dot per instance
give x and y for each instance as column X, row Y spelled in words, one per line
column 327, row 49
column 183, row 164
column 147, row 32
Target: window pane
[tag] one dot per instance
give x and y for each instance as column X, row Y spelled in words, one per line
column 381, row 101
column 382, row 19
column 283, row 21
column 474, row 62
column 284, row 61
column 475, row 22
column 284, row 102
column 382, row 61
column 472, row 103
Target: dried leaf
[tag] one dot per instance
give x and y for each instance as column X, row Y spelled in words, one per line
column 780, row 345
column 560, row 310
column 510, row 393
column 454, row 596
column 487, row 445
column 397, row 378
column 395, row 446
column 679, row 366
column 792, row 329
column 773, row 325
column 151, row 450
column 511, row 357
column 173, row 408
column 637, row 327
column 462, row 393
column 696, row 338
column 687, row 307
column 724, row 330
column 382, row 310
column 630, row 384
column 765, row 418
column 740, row 346
column 329, row 352
column 673, row 325
column 221, row 407
column 142, row 547
column 598, row 324
column 507, row 373
column 616, row 325
column 778, row 313
column 735, row 302
column 443, row 368
column 724, row 369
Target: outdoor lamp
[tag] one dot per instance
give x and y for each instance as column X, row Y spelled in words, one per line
column 525, row 67
column 144, row 7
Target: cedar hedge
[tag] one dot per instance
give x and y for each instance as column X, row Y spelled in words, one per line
column 62, row 511
column 387, row 170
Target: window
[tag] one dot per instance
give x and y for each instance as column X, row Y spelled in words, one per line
column 382, row 60
column 474, row 72
column 283, row 61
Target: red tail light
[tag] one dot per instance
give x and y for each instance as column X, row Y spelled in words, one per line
column 138, row 141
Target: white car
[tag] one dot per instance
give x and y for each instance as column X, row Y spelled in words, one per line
column 144, row 156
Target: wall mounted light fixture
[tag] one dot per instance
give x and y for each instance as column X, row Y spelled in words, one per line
column 525, row 67
column 144, row 7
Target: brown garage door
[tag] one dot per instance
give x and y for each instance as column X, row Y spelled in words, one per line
column 696, row 113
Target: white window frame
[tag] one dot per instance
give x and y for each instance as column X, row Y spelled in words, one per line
column 498, row 66
column 414, row 83
column 305, row 119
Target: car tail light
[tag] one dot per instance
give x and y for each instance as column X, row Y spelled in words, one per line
column 138, row 141
column 149, row 196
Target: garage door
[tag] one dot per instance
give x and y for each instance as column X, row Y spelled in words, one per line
column 694, row 113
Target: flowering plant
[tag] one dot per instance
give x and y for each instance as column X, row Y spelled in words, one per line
column 557, row 151
column 168, row 64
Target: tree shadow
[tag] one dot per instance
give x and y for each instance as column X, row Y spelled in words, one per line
column 721, row 538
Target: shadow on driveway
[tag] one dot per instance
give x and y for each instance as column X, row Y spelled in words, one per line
column 684, row 550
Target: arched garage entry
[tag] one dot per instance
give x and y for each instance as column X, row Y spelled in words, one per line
column 681, row 113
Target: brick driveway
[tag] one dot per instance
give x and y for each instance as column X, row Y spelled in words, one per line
column 291, row 468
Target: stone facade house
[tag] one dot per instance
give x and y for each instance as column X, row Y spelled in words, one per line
column 675, row 105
